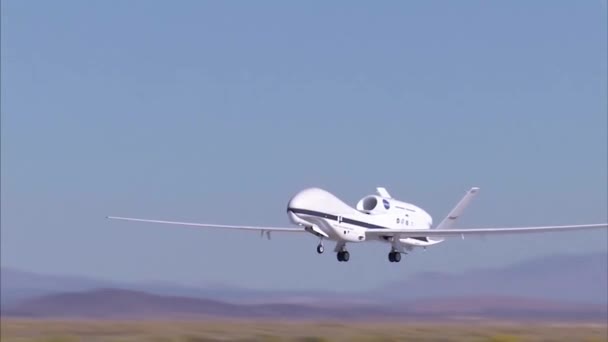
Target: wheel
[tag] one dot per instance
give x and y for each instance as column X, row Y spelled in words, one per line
column 396, row 256
column 345, row 256
column 320, row 249
column 339, row 256
column 391, row 257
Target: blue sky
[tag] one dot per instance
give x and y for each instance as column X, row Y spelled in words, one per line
column 220, row 111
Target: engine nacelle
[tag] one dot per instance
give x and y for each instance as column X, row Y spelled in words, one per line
column 374, row 205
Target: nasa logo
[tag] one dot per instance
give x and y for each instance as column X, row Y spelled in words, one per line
column 386, row 204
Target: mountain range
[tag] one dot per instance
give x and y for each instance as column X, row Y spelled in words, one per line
column 561, row 286
column 120, row 304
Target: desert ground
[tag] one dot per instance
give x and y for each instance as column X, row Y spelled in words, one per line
column 22, row 330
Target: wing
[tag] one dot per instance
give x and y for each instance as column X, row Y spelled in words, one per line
column 208, row 225
column 479, row 231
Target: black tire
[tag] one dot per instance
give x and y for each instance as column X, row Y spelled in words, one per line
column 391, row 257
column 339, row 256
column 345, row 256
column 397, row 256
column 320, row 249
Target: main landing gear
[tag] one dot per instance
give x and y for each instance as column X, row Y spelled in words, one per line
column 394, row 256
column 341, row 252
column 343, row 256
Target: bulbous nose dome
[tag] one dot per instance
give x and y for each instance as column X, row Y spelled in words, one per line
column 316, row 199
column 305, row 198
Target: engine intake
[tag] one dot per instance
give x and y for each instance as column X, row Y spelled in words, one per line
column 373, row 205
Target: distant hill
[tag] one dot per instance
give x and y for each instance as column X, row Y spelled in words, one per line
column 579, row 278
column 17, row 285
column 113, row 304
column 117, row 303
column 573, row 278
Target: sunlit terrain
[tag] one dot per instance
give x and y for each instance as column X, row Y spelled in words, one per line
column 565, row 302
column 213, row 330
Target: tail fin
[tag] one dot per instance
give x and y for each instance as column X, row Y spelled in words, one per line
column 449, row 221
column 382, row 192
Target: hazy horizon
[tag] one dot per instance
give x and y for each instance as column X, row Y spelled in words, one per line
column 518, row 266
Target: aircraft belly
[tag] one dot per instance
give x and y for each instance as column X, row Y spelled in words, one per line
column 325, row 226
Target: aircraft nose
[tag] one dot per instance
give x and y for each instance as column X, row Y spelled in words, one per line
column 303, row 199
column 311, row 199
column 296, row 201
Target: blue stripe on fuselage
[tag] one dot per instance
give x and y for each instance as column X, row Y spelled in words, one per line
column 345, row 220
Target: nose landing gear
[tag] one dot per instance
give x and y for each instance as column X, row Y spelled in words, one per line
column 320, row 248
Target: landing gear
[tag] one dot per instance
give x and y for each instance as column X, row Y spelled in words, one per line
column 320, row 248
column 343, row 256
column 394, row 256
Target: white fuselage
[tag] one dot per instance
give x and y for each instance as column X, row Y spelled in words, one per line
column 325, row 215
